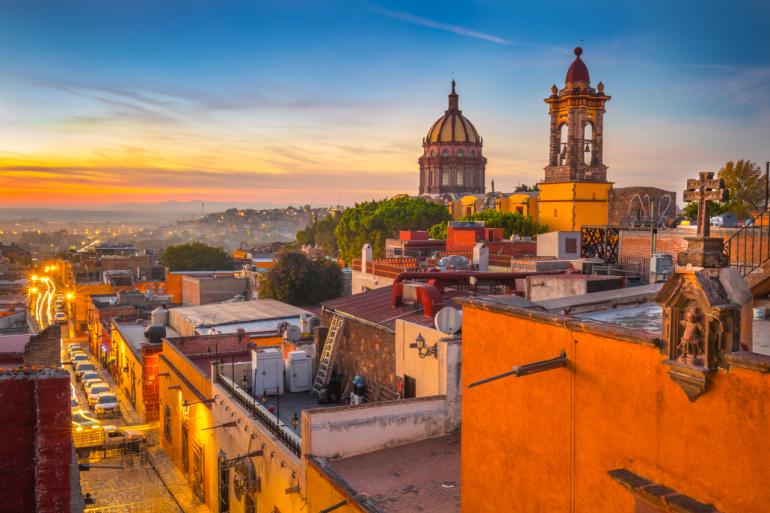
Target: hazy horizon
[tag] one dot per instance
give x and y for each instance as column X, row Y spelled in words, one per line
column 292, row 103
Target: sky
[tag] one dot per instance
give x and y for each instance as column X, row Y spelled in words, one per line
column 326, row 102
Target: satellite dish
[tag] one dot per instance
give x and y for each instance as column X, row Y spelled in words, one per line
column 292, row 333
column 449, row 320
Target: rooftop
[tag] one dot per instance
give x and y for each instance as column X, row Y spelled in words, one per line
column 422, row 476
column 228, row 313
column 376, row 306
column 133, row 333
column 13, row 344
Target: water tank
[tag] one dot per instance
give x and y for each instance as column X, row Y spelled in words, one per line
column 453, row 263
column 304, row 325
column 155, row 333
column 159, row 316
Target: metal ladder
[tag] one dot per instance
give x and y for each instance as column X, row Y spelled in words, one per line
column 328, row 354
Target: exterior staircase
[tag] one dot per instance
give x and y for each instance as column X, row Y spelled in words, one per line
column 748, row 250
column 329, row 354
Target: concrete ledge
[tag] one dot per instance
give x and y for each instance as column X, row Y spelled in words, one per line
column 612, row 331
column 658, row 494
column 748, row 360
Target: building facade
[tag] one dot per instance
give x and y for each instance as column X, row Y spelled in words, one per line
column 452, row 160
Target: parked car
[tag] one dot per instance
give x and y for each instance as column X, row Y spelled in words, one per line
column 74, row 404
column 89, row 375
column 87, row 386
column 60, row 318
column 95, row 390
column 102, row 438
column 107, row 404
column 78, row 357
column 75, row 348
column 82, row 367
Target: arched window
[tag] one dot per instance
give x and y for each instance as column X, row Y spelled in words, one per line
column 460, row 153
column 445, row 152
column 472, row 153
column 588, row 143
column 433, row 153
column 563, row 137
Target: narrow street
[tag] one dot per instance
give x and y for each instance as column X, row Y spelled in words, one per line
column 128, row 483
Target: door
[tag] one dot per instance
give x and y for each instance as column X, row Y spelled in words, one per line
column 185, row 451
column 410, row 387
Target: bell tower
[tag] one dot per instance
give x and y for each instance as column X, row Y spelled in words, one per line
column 575, row 189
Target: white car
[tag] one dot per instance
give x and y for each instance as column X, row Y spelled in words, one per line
column 107, row 404
column 83, row 366
column 89, row 376
column 60, row 318
column 73, row 348
column 78, row 357
column 95, row 390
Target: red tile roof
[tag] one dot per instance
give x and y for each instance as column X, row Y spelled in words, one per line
column 376, row 306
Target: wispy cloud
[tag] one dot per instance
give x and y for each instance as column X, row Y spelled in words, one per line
column 446, row 27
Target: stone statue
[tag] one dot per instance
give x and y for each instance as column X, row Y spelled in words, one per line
column 690, row 347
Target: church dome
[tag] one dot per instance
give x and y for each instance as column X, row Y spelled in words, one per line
column 453, row 127
column 578, row 71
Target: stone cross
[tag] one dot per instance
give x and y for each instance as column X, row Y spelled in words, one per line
column 704, row 190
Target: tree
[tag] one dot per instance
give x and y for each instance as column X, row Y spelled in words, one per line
column 525, row 188
column 374, row 221
column 321, row 233
column 196, row 256
column 746, row 185
column 438, row 231
column 297, row 280
column 717, row 208
column 514, row 223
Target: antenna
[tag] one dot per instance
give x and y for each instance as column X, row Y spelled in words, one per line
column 449, row 320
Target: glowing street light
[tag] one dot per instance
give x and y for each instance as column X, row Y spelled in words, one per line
column 70, row 296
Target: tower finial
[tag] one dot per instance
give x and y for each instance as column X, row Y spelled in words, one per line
column 453, row 98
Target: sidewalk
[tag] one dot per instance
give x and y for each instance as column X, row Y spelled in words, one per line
column 169, row 474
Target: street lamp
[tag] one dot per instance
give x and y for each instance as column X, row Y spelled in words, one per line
column 294, row 420
column 422, row 350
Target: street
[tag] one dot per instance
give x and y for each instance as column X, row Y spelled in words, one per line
column 135, row 486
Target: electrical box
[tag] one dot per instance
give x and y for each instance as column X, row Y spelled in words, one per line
column 662, row 264
column 299, row 372
column 267, row 363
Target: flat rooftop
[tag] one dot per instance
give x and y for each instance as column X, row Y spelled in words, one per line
column 422, row 476
column 646, row 316
column 229, row 313
column 133, row 334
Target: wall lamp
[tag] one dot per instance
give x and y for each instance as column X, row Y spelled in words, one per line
column 164, row 374
column 174, row 387
column 422, row 350
column 294, row 420
column 225, row 425
column 186, row 405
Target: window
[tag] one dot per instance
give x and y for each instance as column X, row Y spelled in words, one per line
column 248, row 504
column 555, row 213
column 167, row 423
column 473, row 153
column 433, row 153
column 445, row 152
column 570, row 245
column 520, row 210
column 445, row 177
column 460, row 153
column 224, row 484
column 460, row 178
column 185, row 451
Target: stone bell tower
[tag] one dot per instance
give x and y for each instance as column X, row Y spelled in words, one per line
column 575, row 189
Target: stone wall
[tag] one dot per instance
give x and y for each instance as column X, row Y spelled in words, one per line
column 44, row 348
column 367, row 350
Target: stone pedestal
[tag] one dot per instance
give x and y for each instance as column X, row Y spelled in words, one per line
column 703, row 252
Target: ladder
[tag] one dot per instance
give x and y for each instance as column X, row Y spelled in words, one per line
column 328, row 355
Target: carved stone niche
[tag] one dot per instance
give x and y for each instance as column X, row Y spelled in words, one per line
column 700, row 325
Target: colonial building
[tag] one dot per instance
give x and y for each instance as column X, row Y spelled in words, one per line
column 452, row 161
column 575, row 190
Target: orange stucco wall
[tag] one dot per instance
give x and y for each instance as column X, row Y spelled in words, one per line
column 545, row 442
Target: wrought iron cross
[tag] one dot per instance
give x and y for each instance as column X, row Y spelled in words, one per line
column 704, row 190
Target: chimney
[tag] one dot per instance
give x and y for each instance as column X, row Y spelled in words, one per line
column 366, row 256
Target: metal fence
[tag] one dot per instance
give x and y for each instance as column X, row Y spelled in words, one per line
column 285, row 435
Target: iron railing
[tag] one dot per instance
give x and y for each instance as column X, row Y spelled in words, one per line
column 749, row 248
column 277, row 428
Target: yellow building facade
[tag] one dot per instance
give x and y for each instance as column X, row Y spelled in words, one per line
column 566, row 206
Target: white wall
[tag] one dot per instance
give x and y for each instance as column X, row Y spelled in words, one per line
column 349, row 430
column 361, row 282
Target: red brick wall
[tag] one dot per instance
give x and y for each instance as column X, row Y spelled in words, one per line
column 35, row 417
